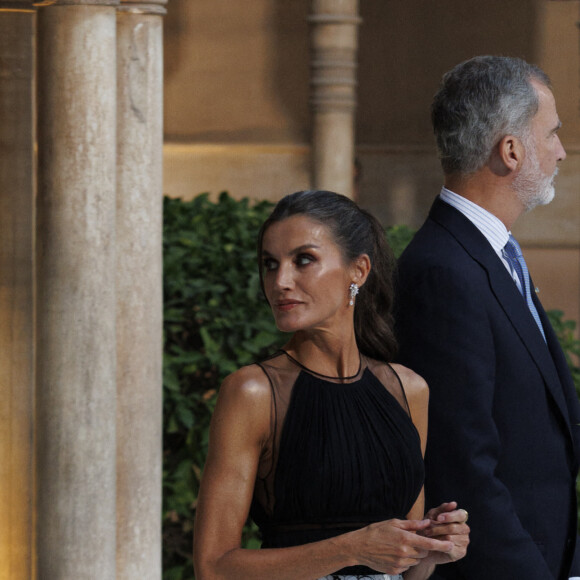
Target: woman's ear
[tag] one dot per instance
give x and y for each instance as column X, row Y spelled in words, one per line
column 361, row 268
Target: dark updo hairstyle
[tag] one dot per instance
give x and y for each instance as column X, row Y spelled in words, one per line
column 356, row 232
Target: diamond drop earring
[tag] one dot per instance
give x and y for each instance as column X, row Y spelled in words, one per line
column 353, row 291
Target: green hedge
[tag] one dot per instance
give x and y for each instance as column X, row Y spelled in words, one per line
column 216, row 320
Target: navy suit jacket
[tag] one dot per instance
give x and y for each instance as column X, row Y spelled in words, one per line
column 504, row 435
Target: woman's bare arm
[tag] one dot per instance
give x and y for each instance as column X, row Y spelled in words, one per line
column 239, row 429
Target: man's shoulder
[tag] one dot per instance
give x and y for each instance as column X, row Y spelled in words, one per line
column 433, row 244
column 444, row 262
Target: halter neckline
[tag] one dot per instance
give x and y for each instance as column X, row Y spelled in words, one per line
column 341, row 378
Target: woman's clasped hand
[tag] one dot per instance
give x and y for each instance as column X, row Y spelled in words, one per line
column 395, row 546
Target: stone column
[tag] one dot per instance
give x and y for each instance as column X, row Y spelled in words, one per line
column 76, row 299
column 334, row 40
column 17, row 169
column 139, row 288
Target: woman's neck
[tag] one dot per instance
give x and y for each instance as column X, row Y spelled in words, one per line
column 325, row 354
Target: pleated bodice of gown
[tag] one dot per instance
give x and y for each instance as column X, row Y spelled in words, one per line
column 342, row 454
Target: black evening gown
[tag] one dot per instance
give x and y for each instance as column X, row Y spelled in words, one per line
column 343, row 453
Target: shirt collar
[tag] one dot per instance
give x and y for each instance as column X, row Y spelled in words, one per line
column 488, row 224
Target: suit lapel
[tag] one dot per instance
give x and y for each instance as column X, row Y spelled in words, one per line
column 508, row 296
column 561, row 365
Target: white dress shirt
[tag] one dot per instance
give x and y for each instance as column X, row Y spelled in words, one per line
column 489, row 225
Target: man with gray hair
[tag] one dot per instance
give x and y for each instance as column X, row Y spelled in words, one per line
column 504, row 417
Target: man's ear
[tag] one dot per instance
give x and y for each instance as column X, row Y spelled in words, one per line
column 511, row 153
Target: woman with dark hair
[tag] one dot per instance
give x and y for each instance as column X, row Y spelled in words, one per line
column 322, row 443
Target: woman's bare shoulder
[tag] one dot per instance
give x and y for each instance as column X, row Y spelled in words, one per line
column 417, row 393
column 243, row 405
column 413, row 384
column 249, row 383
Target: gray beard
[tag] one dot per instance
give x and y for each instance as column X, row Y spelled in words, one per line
column 532, row 187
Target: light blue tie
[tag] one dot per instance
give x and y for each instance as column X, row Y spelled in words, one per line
column 513, row 254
